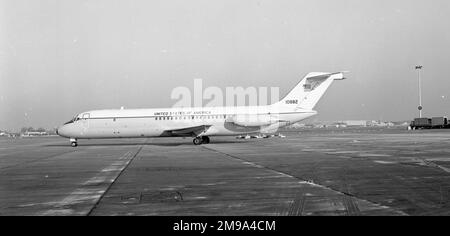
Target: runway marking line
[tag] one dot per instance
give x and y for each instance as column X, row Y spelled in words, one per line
column 91, row 192
column 302, row 181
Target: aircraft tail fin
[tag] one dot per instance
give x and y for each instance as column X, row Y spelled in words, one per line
column 309, row 90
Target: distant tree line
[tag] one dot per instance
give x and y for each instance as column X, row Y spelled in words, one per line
column 31, row 129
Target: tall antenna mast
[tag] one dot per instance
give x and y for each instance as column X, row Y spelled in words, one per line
column 419, row 69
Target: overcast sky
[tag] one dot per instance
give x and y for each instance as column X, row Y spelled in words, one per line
column 59, row 58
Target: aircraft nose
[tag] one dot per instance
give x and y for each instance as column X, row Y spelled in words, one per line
column 61, row 131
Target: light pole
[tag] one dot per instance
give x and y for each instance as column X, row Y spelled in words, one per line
column 419, row 68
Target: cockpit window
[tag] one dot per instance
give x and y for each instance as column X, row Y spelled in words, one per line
column 72, row 120
column 68, row 122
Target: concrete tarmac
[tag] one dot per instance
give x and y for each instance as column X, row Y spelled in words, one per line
column 310, row 172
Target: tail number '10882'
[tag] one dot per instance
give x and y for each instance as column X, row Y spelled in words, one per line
column 291, row 101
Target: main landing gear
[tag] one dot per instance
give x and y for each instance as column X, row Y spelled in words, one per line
column 73, row 142
column 201, row 140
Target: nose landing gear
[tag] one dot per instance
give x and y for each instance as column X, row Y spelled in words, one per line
column 73, row 142
column 201, row 140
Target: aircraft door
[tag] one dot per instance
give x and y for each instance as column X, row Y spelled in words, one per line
column 85, row 122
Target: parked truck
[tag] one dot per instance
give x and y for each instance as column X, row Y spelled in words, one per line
column 439, row 122
column 422, row 123
column 430, row 123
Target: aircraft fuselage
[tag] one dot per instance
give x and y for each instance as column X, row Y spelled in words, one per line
column 222, row 121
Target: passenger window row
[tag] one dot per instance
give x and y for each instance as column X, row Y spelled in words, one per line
column 190, row 117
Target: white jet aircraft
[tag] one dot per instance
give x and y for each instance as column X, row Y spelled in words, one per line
column 202, row 122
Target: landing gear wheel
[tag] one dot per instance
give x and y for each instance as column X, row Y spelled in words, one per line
column 197, row 141
column 205, row 139
column 73, row 142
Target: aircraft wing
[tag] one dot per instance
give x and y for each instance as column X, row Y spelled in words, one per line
column 187, row 132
